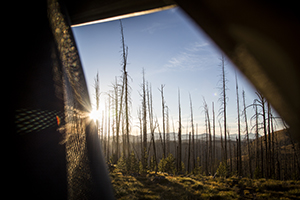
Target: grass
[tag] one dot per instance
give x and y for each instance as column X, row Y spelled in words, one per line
column 163, row 186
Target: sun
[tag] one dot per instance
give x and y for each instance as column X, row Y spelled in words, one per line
column 95, row 115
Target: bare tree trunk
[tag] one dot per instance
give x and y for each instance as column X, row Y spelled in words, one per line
column 102, row 131
column 256, row 137
column 239, row 151
column 189, row 154
column 230, row 152
column 206, row 145
column 123, row 137
column 223, row 100
column 175, row 145
column 236, row 154
column 97, row 96
column 269, row 141
column 179, row 132
column 163, row 116
column 247, row 134
column 105, row 130
column 273, row 146
column 214, row 140
column 167, row 131
column 278, row 170
column 262, row 157
column 197, row 142
column 117, row 124
column 209, row 147
column 125, row 82
column 141, row 132
column 265, row 139
column 118, row 114
column 108, row 130
column 144, row 153
column 261, row 102
column 222, row 146
column 193, row 139
column 152, row 126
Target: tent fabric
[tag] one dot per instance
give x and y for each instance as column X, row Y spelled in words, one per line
column 56, row 148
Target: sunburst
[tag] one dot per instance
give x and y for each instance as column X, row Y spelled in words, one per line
column 95, row 114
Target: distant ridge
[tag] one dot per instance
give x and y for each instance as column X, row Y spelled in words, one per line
column 184, row 137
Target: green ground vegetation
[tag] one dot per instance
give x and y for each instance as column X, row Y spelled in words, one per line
column 161, row 185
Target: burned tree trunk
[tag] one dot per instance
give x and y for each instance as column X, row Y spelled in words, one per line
column 125, row 86
column 163, row 117
column 179, row 133
column 193, row 139
column 239, row 151
column 247, row 134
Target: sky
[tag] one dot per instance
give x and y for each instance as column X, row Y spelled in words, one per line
column 175, row 52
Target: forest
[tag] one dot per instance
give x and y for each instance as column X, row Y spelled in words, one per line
column 257, row 152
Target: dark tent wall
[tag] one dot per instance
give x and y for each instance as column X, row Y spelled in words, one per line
column 39, row 160
column 56, row 149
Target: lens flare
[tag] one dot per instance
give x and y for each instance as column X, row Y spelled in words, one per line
column 95, row 115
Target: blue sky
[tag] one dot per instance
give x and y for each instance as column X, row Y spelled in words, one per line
column 173, row 51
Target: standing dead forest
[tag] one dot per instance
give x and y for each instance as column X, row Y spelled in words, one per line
column 259, row 149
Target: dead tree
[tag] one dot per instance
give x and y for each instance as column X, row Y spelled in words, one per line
column 175, row 144
column 167, row 131
column 97, row 91
column 105, row 131
column 151, row 124
column 222, row 146
column 209, row 147
column 97, row 97
column 163, row 117
column 193, row 132
column 247, row 134
column 230, row 152
column 108, row 129
column 118, row 108
column 189, row 154
column 223, row 100
column 206, row 145
column 126, row 87
column 261, row 101
column 239, row 151
column 214, row 140
column 179, row 133
column 256, row 138
column 270, row 164
column 144, row 111
column 139, row 112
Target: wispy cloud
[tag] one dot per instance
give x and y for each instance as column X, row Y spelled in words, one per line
column 194, row 57
column 197, row 47
column 153, row 27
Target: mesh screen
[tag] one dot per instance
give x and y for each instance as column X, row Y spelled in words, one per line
column 57, row 144
column 36, row 120
column 77, row 105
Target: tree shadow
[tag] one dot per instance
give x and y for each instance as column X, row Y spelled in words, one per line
column 166, row 189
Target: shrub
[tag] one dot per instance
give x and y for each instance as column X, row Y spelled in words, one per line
column 257, row 173
column 141, row 168
column 121, row 164
column 152, row 164
column 132, row 164
column 222, row 169
column 198, row 169
column 167, row 164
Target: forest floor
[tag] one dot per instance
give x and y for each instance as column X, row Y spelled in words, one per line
column 166, row 186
